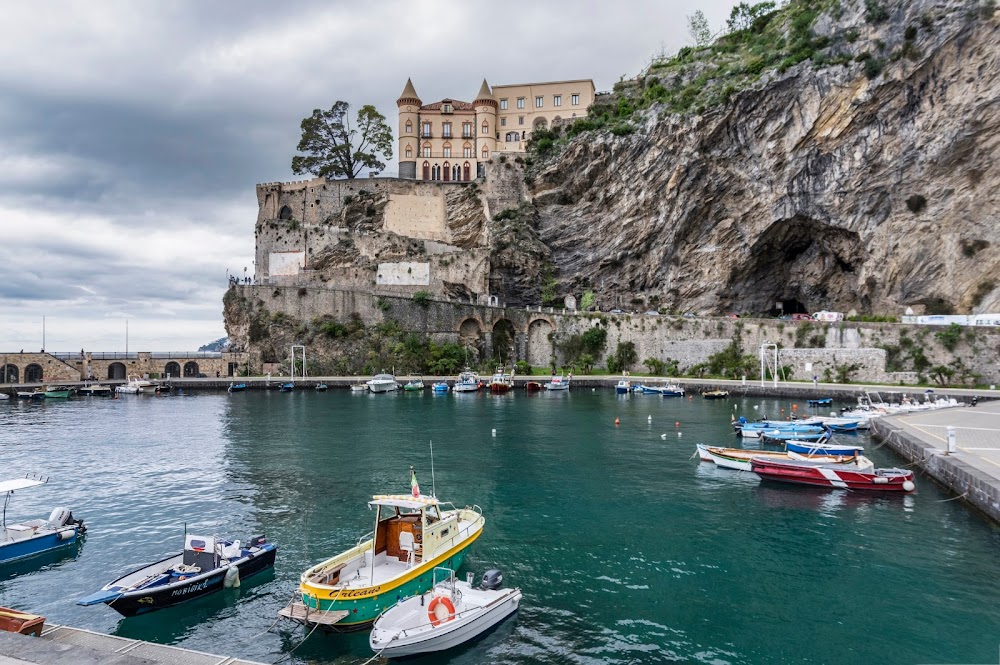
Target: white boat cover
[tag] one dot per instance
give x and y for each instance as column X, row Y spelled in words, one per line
column 19, row 484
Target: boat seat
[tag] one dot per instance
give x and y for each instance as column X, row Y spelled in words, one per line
column 409, row 547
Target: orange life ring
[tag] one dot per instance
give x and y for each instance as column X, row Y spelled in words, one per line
column 432, row 615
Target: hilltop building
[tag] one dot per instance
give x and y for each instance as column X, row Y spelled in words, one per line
column 449, row 140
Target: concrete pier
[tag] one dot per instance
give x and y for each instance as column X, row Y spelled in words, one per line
column 62, row 644
column 973, row 470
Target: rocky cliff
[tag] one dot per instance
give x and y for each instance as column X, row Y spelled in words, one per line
column 854, row 169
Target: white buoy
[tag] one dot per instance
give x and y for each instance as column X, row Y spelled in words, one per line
column 680, row 434
column 664, row 436
column 649, row 419
column 754, row 407
column 908, row 485
column 494, row 433
column 232, row 579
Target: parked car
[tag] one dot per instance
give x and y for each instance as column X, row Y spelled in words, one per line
column 653, row 312
column 688, row 315
column 801, row 317
column 616, row 311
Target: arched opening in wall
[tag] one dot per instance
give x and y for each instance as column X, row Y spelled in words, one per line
column 427, row 171
column 409, row 127
column 470, row 335
column 456, row 172
column 33, row 373
column 172, row 370
column 540, row 123
column 467, row 171
column 556, row 121
column 409, row 152
column 504, row 338
column 512, row 137
column 486, row 152
column 116, row 371
column 9, row 374
column 285, row 213
column 190, row 369
column 436, row 172
column 540, row 349
column 447, row 171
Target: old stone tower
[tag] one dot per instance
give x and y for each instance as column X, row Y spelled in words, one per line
column 409, row 116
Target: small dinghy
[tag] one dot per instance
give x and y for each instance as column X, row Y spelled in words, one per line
column 205, row 566
column 821, row 448
column 440, row 387
column 448, row 615
column 286, row 388
column 237, row 387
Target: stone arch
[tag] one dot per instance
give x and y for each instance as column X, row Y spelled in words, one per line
column 190, row 369
column 172, row 370
column 470, row 335
column 556, row 121
column 116, row 371
column 540, row 123
column 540, row 349
column 33, row 373
column 9, row 374
column 504, row 341
column 285, row 213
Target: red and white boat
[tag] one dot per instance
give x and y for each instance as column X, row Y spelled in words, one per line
column 501, row 381
column 835, row 476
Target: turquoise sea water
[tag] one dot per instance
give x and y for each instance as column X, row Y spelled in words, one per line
column 626, row 548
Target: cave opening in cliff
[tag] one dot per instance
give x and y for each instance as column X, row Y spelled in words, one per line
column 795, row 264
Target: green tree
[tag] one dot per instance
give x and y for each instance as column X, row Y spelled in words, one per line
column 698, row 29
column 655, row 365
column 587, row 301
column 743, row 15
column 623, row 358
column 595, row 340
column 333, row 148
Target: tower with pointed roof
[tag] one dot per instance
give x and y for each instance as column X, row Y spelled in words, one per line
column 409, row 120
column 486, row 122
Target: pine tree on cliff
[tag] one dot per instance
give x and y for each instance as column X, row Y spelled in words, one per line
column 333, row 148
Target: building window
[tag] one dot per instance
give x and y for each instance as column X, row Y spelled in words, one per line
column 574, row 100
column 427, row 171
column 446, row 108
column 427, row 130
column 503, row 122
column 486, row 127
column 447, row 130
column 556, row 100
column 427, row 151
column 467, row 130
column 486, row 152
column 538, row 102
column 467, row 171
column 503, row 104
column 409, row 151
column 520, row 102
column 520, row 120
column 409, row 127
column 467, row 152
column 447, row 151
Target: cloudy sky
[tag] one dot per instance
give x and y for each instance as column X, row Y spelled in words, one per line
column 132, row 133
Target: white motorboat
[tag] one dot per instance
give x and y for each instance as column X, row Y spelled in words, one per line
column 448, row 615
column 4, row 396
column 468, row 382
column 383, row 383
column 558, row 383
column 135, row 386
column 359, row 388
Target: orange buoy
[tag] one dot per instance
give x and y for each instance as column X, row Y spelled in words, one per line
column 617, row 422
column 677, row 424
column 795, row 407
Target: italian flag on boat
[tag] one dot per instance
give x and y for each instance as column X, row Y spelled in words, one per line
column 414, row 487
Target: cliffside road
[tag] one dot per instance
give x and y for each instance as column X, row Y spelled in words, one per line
column 973, row 471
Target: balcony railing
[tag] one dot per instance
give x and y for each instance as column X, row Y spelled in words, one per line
column 441, row 155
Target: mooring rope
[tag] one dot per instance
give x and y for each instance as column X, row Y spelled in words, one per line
column 960, row 496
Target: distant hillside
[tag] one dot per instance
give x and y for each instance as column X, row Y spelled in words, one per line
column 218, row 345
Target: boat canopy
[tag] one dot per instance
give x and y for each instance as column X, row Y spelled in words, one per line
column 19, row 484
column 403, row 501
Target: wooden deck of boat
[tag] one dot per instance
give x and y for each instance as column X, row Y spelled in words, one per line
column 297, row 611
column 64, row 644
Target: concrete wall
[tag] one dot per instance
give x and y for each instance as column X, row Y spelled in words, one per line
column 417, row 216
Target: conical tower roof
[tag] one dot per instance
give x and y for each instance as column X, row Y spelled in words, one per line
column 484, row 92
column 409, row 92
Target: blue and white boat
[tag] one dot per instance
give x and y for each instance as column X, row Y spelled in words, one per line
column 286, row 387
column 558, row 383
column 624, row 387
column 783, row 436
column 826, row 401
column 31, row 537
column 468, row 382
column 237, row 387
column 821, row 448
column 440, row 387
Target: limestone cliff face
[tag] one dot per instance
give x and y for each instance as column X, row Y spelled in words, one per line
column 819, row 186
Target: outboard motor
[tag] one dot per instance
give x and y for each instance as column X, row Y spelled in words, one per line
column 492, row 580
column 61, row 516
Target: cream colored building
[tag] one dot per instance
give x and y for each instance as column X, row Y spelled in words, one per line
column 447, row 140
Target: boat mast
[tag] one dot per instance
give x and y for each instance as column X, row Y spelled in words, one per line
column 433, row 487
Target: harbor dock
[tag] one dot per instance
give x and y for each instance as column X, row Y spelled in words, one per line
column 972, row 470
column 64, row 644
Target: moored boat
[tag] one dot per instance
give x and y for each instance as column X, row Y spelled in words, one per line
column 286, row 387
column 738, row 459
column 31, row 537
column 716, row 394
column 321, row 387
column 833, row 476
column 451, row 613
column 559, row 383
column 822, row 448
column 236, row 387
column 501, row 382
column 383, row 383
column 95, row 390
column 359, row 388
column 468, row 382
column 532, row 386
column 34, row 395
column 781, row 436
column 206, row 565
column 136, row 386
column 440, row 387
column 58, row 392
column 672, row 390
column 413, row 386
column 413, row 535
column 624, row 387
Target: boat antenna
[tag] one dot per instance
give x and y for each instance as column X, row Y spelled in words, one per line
column 433, row 488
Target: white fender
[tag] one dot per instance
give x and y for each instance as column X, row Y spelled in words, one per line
column 232, row 579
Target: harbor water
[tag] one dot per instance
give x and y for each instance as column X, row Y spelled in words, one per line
column 627, row 548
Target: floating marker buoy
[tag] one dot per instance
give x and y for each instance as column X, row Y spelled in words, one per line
column 680, row 434
column 690, row 396
column 677, row 424
column 663, row 436
column 617, row 422
column 754, row 407
column 649, row 419
column 494, row 433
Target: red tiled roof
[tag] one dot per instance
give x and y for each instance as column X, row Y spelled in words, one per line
column 455, row 104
